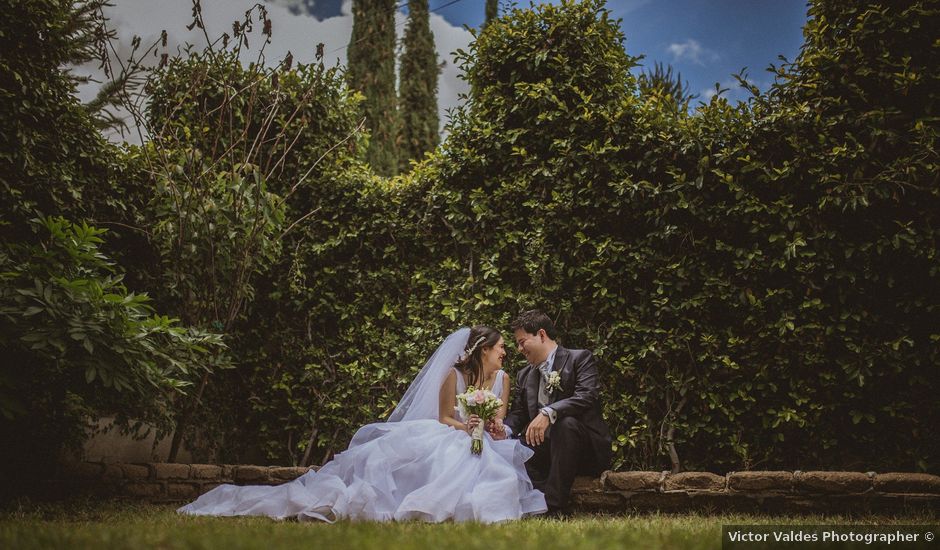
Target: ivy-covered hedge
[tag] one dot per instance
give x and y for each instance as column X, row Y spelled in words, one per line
column 756, row 279
column 297, row 127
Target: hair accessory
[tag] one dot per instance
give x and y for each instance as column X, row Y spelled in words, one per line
column 473, row 348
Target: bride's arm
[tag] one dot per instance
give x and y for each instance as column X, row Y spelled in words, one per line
column 501, row 414
column 495, row 427
column 447, row 402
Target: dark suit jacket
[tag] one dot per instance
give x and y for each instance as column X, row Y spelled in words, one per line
column 577, row 397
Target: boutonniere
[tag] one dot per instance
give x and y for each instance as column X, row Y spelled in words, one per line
column 553, row 382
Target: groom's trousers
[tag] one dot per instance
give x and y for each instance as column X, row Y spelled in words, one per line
column 565, row 453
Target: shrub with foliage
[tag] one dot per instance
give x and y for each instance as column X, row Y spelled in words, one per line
column 77, row 344
column 753, row 277
column 245, row 155
column 757, row 279
column 53, row 159
column 830, row 206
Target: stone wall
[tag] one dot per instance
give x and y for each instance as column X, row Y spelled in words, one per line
column 613, row 492
column 159, row 482
column 760, row 492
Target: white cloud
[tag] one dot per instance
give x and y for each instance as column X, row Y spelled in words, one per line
column 733, row 91
column 449, row 39
column 691, row 50
column 298, row 34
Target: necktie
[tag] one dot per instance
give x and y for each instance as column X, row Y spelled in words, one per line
column 543, row 383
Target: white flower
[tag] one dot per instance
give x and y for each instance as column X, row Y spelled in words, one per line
column 482, row 403
column 554, row 381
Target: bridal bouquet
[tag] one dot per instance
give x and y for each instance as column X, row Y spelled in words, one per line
column 482, row 403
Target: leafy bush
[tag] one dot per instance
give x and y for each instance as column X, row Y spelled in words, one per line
column 245, row 156
column 53, row 159
column 77, row 344
column 754, row 278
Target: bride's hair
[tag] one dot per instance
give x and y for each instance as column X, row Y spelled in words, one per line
column 471, row 362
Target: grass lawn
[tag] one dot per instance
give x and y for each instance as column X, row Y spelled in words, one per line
column 89, row 524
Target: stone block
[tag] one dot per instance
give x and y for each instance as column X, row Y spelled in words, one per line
column 631, row 481
column 182, row 491
column 166, row 470
column 112, row 472
column 251, row 473
column 597, row 501
column 143, row 490
column 288, row 472
column 135, row 471
column 850, row 504
column 695, row 481
column 832, row 482
column 83, row 470
column 206, row 487
column 773, row 492
column 206, row 471
column 719, row 502
column 52, row 489
column 98, row 489
column 664, row 502
column 760, row 481
column 929, row 504
column 899, row 482
column 584, row 484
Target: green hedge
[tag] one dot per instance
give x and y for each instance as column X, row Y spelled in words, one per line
column 756, row 279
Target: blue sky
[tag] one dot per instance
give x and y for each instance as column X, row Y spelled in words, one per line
column 705, row 41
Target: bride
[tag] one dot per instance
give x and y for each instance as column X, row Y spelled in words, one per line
column 418, row 464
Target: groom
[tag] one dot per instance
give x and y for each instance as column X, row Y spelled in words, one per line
column 557, row 415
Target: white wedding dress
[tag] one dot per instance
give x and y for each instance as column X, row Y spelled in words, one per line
column 409, row 468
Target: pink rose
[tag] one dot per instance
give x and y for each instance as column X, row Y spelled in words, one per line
column 479, row 397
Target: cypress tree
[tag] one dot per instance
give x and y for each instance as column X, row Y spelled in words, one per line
column 419, row 71
column 492, row 10
column 372, row 71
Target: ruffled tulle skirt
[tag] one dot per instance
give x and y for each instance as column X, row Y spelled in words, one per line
column 415, row 470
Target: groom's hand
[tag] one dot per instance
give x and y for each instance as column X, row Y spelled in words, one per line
column 535, row 433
